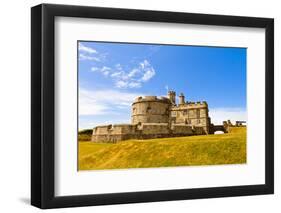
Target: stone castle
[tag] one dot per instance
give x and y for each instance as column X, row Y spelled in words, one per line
column 161, row 117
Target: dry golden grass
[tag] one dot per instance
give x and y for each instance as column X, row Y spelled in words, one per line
column 227, row 148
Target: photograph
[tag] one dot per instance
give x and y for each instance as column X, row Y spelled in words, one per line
column 170, row 105
column 146, row 105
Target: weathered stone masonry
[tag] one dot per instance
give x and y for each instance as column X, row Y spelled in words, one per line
column 159, row 117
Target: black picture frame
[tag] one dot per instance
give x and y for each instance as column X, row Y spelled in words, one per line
column 43, row 111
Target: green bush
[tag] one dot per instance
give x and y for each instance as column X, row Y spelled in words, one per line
column 85, row 135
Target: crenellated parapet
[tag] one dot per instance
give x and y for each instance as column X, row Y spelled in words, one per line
column 197, row 104
column 141, row 99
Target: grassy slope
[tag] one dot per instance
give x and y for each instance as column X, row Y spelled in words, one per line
column 181, row 151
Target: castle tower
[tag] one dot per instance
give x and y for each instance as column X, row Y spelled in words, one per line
column 181, row 99
column 151, row 109
column 172, row 96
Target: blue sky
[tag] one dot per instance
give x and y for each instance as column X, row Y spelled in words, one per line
column 111, row 75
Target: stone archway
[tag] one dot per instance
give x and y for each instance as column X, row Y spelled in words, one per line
column 218, row 132
column 219, row 128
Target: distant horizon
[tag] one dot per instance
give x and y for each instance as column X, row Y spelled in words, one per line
column 112, row 75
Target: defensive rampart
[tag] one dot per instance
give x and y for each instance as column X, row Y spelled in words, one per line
column 120, row 132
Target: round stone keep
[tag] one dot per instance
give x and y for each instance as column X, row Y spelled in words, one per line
column 151, row 109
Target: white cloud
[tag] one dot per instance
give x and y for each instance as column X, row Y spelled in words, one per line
column 147, row 71
column 144, row 64
column 126, row 84
column 87, row 57
column 134, row 85
column 121, row 84
column 133, row 78
column 133, row 72
column 89, row 106
column 89, row 123
column 94, row 69
column 148, row 74
column 104, row 102
column 90, row 54
column 83, row 48
column 104, row 70
column 218, row 115
column 116, row 74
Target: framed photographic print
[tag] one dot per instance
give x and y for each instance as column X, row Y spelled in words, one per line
column 139, row 106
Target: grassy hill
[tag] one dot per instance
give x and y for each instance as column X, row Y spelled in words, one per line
column 227, row 148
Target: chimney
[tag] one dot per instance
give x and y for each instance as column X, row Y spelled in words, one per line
column 181, row 101
column 172, row 96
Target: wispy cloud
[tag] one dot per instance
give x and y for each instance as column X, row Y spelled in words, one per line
column 88, row 122
column 89, row 53
column 86, row 49
column 132, row 78
column 87, row 57
column 218, row 115
column 104, row 102
column 148, row 71
column 103, row 70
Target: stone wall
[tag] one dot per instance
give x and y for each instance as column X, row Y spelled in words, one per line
column 154, row 128
column 194, row 114
column 114, row 133
column 117, row 133
column 151, row 109
column 181, row 129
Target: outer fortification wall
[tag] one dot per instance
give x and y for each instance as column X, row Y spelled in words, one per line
column 182, row 129
column 113, row 133
column 122, row 132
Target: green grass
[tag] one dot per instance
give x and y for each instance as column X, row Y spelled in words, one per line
column 227, row 148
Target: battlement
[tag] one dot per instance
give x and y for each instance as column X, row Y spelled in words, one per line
column 171, row 92
column 197, row 104
column 151, row 99
column 191, row 105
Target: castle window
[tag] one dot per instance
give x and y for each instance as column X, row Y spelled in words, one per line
column 148, row 109
column 198, row 113
column 174, row 114
column 191, row 113
column 203, row 113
